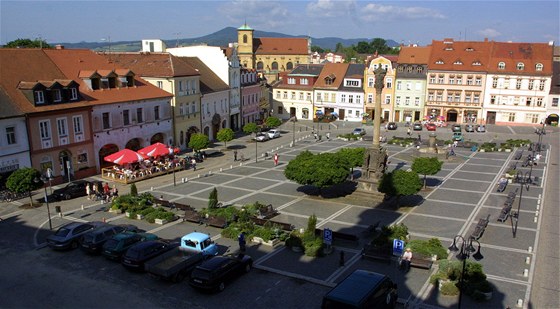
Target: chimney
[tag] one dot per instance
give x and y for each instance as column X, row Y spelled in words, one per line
column 58, row 46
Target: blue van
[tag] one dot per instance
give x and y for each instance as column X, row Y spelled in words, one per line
column 362, row 289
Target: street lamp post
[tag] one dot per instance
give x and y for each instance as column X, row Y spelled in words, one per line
column 524, row 180
column 43, row 179
column 540, row 132
column 463, row 254
column 294, row 131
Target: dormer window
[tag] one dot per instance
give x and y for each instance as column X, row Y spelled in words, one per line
column 476, row 63
column 449, row 48
column 458, row 62
column 501, row 65
column 539, row 67
column 439, row 62
column 56, row 95
column 39, row 97
column 73, row 94
column 291, row 81
column 520, row 66
column 469, row 49
column 95, row 83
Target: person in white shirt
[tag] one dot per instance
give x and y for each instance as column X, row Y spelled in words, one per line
column 406, row 258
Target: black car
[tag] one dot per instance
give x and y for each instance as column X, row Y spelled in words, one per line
column 391, row 126
column 68, row 236
column 213, row 274
column 417, row 126
column 72, row 190
column 92, row 241
column 115, row 247
column 139, row 253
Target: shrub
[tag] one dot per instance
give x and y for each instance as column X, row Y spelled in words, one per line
column 213, row 199
column 159, row 213
column 450, row 289
column 428, row 247
column 294, row 240
column 133, row 190
column 230, row 214
column 314, row 247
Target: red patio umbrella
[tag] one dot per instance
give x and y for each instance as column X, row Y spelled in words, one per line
column 156, row 150
column 125, row 156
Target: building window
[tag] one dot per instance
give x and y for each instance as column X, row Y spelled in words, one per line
column 440, row 79
column 73, row 94
column 399, row 84
column 510, row 117
column 319, row 97
column 244, row 39
column 352, row 83
column 468, row 97
column 478, row 81
column 160, row 84
column 398, row 100
column 77, row 122
column 419, row 70
column 450, row 97
column 370, row 98
column 430, row 96
column 39, row 97
column 387, row 99
column 156, row 112
column 494, row 82
column 293, row 95
column 278, row 94
column 432, row 79
column 470, row 81
column 370, row 82
column 56, row 95
column 45, row 129
column 451, row 80
column 304, row 81
column 439, row 97
column 11, row 135
column 531, row 84
column 343, row 98
column 539, row 102
column 520, row 66
column 291, row 81
column 554, row 102
column 181, row 87
column 417, row 101
column 62, row 125
column 308, row 96
column 280, row 110
column 301, row 96
column 529, row 102
column 459, row 80
column 539, row 67
column 358, row 99
column 357, row 113
column 285, row 95
column 106, row 120
column 139, row 115
column 501, row 65
column 476, row 98
column 407, row 101
column 126, row 117
column 541, row 85
column 493, row 99
column 389, row 82
column 518, row 83
column 408, row 86
column 457, row 97
column 350, row 98
column 275, row 66
column 532, row 118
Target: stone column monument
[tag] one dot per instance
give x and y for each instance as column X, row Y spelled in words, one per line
column 375, row 159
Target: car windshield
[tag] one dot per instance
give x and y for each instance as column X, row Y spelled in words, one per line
column 111, row 244
column 62, row 232
column 201, row 273
column 133, row 253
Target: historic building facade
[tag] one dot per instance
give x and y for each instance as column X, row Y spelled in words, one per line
column 410, row 89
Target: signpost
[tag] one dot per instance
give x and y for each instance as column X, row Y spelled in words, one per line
column 398, row 247
column 327, row 237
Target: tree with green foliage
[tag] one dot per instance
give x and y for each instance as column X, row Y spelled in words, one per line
column 225, row 135
column 339, row 48
column 273, row 122
column 355, row 156
column 320, row 170
column 400, row 183
column 427, row 166
column 250, row 128
column 363, row 48
column 25, row 180
column 133, row 190
column 199, row 141
column 27, row 43
column 213, row 199
column 315, row 48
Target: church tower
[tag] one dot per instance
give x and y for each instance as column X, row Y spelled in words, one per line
column 245, row 46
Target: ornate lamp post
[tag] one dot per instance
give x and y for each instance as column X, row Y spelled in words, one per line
column 540, row 132
column 524, row 180
column 463, row 254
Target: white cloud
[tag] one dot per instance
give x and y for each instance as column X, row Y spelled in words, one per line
column 257, row 14
column 374, row 12
column 330, row 8
column 489, row 33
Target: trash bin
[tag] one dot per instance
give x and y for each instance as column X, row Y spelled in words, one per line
column 57, row 209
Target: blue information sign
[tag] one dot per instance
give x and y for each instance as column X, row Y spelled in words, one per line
column 398, row 247
column 327, row 236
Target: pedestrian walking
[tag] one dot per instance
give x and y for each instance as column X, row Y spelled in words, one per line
column 408, row 132
column 88, row 191
column 276, row 159
column 242, row 157
column 235, row 155
column 115, row 192
column 341, row 261
column 106, row 192
column 419, row 138
column 242, row 242
column 94, row 191
column 328, row 135
column 193, row 163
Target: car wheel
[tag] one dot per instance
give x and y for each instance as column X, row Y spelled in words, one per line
column 221, row 286
column 247, row 268
column 67, row 197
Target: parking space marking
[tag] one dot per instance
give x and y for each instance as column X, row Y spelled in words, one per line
column 459, row 190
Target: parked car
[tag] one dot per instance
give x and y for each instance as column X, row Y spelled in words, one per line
column 116, row 246
column 359, row 131
column 68, row 236
column 261, row 137
column 72, row 190
column 213, row 274
column 92, row 241
column 456, row 128
column 274, row 133
column 469, row 128
column 362, row 289
column 431, row 126
column 458, row 136
column 480, row 128
column 417, row 126
column 138, row 254
column 391, row 126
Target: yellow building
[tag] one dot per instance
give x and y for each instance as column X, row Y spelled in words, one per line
column 271, row 56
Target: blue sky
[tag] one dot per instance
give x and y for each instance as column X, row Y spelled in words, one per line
column 402, row 21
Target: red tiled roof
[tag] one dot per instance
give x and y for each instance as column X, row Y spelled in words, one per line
column 530, row 54
column 152, row 64
column 450, row 55
column 414, row 54
column 336, row 70
column 280, row 46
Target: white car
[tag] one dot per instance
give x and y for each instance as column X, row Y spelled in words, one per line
column 261, row 137
column 273, row 133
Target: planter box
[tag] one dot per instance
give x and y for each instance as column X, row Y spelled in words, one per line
column 160, row 221
column 140, row 217
column 116, row 211
column 272, row 242
column 127, row 214
column 507, row 150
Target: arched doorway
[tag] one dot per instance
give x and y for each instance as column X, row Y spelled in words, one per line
column 65, row 159
column 207, row 131
column 134, row 144
column 216, row 121
column 157, row 138
column 105, row 151
column 552, row 119
column 452, row 115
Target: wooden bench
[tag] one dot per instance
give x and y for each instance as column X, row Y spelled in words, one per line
column 215, row 222
column 502, row 185
column 506, row 209
column 518, row 155
column 267, row 212
column 421, row 261
column 284, row 226
column 380, row 254
column 480, row 227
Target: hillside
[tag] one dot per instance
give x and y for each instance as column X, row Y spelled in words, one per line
column 219, row 38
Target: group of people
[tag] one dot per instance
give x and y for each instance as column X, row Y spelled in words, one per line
column 96, row 192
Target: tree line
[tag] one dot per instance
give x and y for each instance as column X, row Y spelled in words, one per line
column 378, row 45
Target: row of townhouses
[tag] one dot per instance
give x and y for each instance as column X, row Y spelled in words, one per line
column 460, row 81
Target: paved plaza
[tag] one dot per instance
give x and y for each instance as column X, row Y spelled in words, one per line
column 463, row 192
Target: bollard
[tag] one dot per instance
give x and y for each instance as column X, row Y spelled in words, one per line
column 60, row 214
column 183, row 180
column 220, row 169
column 82, row 206
column 530, row 249
column 528, row 260
column 198, row 175
column 536, row 213
column 538, row 206
column 535, row 220
column 186, row 179
column 525, row 272
column 231, row 166
column 151, row 188
column 520, row 303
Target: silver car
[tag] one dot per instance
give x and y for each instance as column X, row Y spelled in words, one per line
column 481, row 128
column 68, row 236
column 273, row 133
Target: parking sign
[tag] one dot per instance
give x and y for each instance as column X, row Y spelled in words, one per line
column 398, row 247
column 327, row 236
